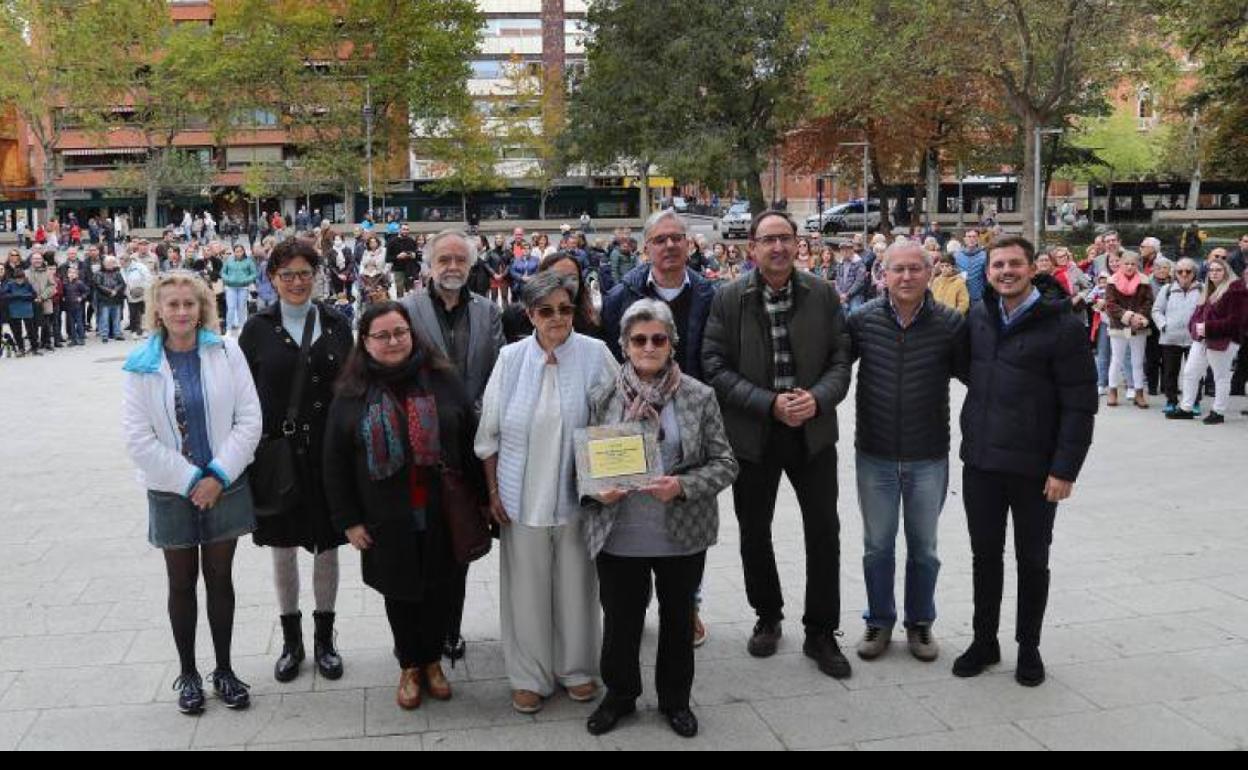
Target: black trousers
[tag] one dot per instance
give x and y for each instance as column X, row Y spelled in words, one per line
column 1240, row 377
column 754, row 498
column 455, row 618
column 990, row 497
column 419, row 628
column 1172, row 359
column 1152, row 362
column 17, row 325
column 43, row 325
column 624, row 589
column 135, row 311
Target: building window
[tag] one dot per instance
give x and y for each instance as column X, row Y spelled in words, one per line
column 236, row 157
column 514, row 27
column 100, row 158
column 487, row 70
column 256, row 118
column 1146, row 109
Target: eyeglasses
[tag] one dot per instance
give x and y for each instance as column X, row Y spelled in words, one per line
column 1185, row 272
column 771, row 240
column 397, row 335
column 676, row 239
column 657, row 341
column 546, row 312
column 290, row 276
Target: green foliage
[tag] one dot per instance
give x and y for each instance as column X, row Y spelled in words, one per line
column 1119, row 149
column 466, row 154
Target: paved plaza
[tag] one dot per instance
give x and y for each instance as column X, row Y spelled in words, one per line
column 1146, row 641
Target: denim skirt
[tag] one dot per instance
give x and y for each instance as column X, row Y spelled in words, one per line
column 173, row 521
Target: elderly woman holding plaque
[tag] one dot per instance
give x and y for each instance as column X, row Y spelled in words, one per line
column 662, row 527
column 536, row 400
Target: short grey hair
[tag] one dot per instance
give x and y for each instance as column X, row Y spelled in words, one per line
column 431, row 245
column 901, row 247
column 642, row 311
column 658, row 217
column 542, row 285
column 1188, row 263
column 1151, row 242
column 1162, row 262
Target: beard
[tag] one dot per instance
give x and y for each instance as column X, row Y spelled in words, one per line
column 451, row 283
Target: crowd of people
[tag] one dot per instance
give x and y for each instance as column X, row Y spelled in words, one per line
column 391, row 391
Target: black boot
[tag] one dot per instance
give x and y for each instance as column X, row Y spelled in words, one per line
column 328, row 662
column 287, row 667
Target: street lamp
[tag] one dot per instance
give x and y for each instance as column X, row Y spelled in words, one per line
column 1038, row 195
column 368, row 141
column 866, row 170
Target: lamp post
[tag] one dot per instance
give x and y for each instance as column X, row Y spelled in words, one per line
column 866, row 172
column 1038, row 194
column 368, row 140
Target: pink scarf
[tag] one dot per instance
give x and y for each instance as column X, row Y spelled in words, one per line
column 1126, row 286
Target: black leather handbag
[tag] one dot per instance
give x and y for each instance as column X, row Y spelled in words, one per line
column 274, row 478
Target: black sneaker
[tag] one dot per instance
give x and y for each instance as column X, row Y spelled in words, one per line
column 979, row 656
column 1030, row 670
column 683, row 722
column 765, row 640
column 233, row 691
column 1214, row 419
column 608, row 714
column 821, row 647
column 1181, row 414
column 191, row 695
column 454, row 648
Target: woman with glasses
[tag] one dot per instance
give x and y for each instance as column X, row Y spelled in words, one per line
column 1217, row 327
column 401, row 418
column 663, row 529
column 272, row 341
column 1172, row 311
column 537, row 397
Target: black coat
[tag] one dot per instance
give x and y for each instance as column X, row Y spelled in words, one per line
column 402, row 563
column 398, row 245
column 272, row 354
column 1031, row 400
column 903, row 379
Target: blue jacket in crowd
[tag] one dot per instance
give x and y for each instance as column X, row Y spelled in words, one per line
column 635, row 286
column 975, row 265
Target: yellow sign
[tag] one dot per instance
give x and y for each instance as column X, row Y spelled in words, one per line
column 613, row 457
column 656, row 182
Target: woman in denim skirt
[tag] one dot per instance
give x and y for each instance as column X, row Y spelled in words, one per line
column 192, row 421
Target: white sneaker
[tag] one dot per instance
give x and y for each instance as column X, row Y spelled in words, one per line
column 1100, row 391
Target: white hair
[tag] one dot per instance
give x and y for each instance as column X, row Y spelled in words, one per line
column 647, row 310
column 658, row 217
column 1151, row 242
column 432, row 244
column 906, row 247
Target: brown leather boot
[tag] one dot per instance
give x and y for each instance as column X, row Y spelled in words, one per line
column 435, row 682
column 1111, row 397
column 1141, row 398
column 408, row 695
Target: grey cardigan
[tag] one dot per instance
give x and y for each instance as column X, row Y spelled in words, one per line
column 485, row 336
column 707, row 467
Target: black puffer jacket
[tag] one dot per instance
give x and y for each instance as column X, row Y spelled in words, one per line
column 1032, row 397
column 903, row 378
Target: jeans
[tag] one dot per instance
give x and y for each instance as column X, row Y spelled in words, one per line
column 754, row 498
column 1201, row 358
column 886, row 489
column 108, row 321
column 236, row 306
column 1103, row 355
column 77, row 323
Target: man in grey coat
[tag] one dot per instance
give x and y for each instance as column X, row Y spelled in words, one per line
column 468, row 328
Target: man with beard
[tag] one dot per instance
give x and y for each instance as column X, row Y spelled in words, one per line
column 468, row 328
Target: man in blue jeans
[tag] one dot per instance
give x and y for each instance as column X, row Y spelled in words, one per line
column 909, row 347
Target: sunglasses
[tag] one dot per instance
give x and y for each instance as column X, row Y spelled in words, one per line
column 657, row 341
column 546, row 312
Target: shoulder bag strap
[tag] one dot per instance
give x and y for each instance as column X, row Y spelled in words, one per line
column 289, row 426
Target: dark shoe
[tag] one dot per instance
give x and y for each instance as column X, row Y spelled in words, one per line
column 765, row 640
column 1030, row 670
column 231, row 690
column 1214, row 419
column 979, row 656
column 1181, row 414
column 683, row 722
column 607, row 715
column 287, row 668
column 191, row 698
column 328, row 661
column 454, row 649
column 821, row 647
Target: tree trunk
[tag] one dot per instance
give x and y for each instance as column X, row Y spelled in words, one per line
column 644, row 207
column 541, row 206
column 1109, row 194
column 754, row 189
column 931, row 201
column 153, row 198
column 886, row 209
column 463, row 205
column 1026, row 179
column 1193, row 190
column 348, row 203
column 49, row 187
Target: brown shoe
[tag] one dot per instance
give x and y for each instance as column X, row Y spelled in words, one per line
column 435, row 682
column 1111, row 397
column 1141, row 399
column 700, row 634
column 583, row 693
column 526, row 701
column 408, row 696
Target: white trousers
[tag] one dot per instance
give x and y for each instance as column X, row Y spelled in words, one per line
column 1118, row 352
column 1198, row 362
column 551, row 620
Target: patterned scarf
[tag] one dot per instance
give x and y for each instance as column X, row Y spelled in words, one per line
column 384, row 425
column 779, row 304
column 645, row 400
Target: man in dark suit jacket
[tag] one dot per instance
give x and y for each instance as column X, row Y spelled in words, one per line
column 468, row 328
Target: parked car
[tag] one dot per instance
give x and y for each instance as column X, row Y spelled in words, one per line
column 736, row 223
column 847, row 217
